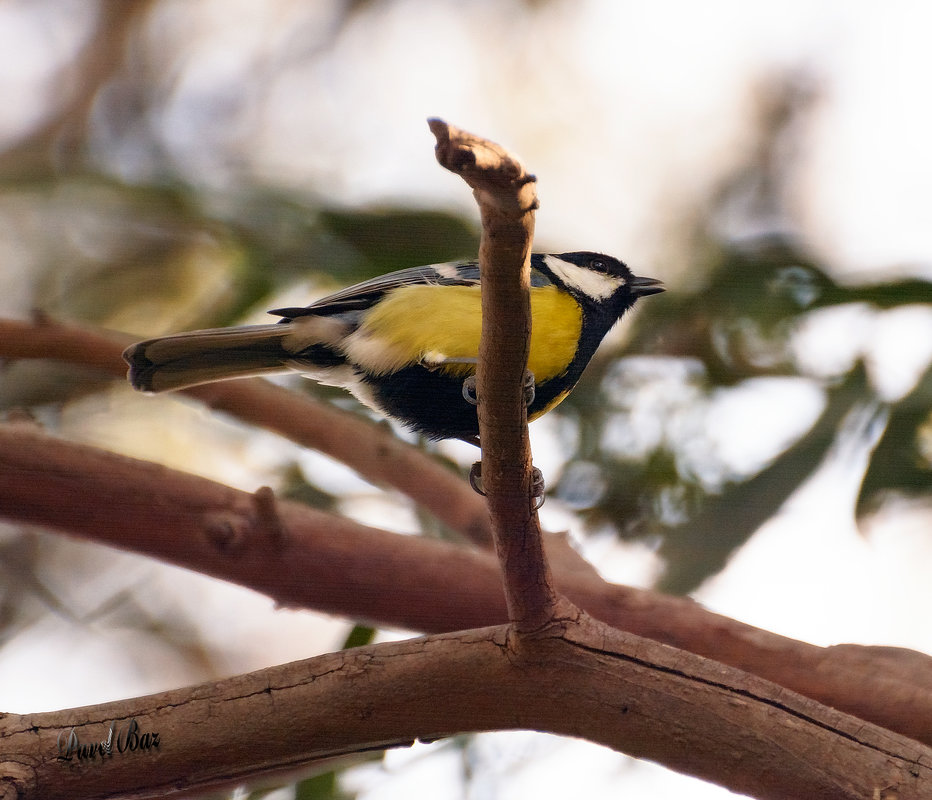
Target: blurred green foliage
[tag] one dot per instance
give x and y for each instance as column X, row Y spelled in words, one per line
column 738, row 328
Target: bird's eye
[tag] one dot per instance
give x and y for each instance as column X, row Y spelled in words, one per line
column 597, row 264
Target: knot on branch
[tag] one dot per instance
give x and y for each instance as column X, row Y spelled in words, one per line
column 227, row 531
column 231, row 530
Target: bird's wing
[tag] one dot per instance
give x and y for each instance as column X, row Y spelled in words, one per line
column 363, row 295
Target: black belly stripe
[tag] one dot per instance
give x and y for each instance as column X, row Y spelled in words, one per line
column 431, row 402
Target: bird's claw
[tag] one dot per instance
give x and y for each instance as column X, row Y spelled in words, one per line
column 529, row 387
column 538, row 485
column 470, row 393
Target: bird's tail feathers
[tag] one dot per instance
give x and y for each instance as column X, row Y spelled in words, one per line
column 189, row 359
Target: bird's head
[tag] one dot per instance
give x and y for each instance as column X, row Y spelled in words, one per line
column 598, row 280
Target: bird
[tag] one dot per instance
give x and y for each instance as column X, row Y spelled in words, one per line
column 407, row 343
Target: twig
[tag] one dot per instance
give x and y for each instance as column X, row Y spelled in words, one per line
column 507, row 200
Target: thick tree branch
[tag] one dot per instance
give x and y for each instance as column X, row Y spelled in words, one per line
column 295, row 554
column 507, row 200
column 578, row 679
column 334, row 565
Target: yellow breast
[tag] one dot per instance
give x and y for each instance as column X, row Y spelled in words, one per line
column 440, row 326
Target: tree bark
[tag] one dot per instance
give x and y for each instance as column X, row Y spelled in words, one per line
column 576, row 677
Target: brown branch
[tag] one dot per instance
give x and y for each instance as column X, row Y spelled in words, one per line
column 306, row 558
column 337, row 566
column 507, row 200
column 371, row 450
column 580, row 680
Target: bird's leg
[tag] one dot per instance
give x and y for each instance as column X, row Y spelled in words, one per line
column 538, row 485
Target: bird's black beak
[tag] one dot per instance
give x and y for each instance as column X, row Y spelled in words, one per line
column 644, row 286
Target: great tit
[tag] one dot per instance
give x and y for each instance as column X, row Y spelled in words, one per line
column 405, row 343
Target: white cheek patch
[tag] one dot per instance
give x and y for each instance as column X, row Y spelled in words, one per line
column 597, row 285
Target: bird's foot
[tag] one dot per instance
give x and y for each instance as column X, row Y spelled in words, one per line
column 529, row 387
column 471, row 395
column 538, row 485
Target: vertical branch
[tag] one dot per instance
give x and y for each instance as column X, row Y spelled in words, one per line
column 507, row 200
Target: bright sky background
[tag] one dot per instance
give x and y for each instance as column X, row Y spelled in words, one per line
column 626, row 112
